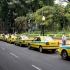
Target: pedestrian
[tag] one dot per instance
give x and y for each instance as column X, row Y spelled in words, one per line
column 64, row 39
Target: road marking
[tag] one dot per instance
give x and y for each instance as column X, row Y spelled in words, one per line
column 14, row 55
column 36, row 67
column 2, row 48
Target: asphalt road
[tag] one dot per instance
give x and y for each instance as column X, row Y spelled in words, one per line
column 13, row 57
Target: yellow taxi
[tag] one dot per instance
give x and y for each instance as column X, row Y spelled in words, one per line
column 18, row 40
column 64, row 51
column 5, row 37
column 23, row 40
column 11, row 39
column 43, row 43
column 26, row 40
column 1, row 36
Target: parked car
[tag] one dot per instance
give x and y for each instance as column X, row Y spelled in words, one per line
column 11, row 39
column 64, row 51
column 1, row 36
column 43, row 43
column 5, row 37
column 23, row 40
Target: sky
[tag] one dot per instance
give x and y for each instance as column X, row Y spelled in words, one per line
column 58, row 2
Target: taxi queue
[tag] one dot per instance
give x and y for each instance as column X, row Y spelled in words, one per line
column 40, row 42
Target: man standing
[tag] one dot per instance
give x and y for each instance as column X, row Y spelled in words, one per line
column 64, row 39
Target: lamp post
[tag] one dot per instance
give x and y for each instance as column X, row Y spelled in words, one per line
column 43, row 19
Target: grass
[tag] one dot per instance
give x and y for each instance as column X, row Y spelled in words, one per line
column 56, row 34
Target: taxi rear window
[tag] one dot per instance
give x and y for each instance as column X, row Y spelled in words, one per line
column 48, row 38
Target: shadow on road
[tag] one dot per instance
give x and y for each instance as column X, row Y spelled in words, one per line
column 45, row 51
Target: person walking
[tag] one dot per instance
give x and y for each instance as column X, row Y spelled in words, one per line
column 64, row 39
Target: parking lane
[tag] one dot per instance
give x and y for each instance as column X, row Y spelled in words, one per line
column 30, row 59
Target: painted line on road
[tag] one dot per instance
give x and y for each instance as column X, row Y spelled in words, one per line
column 36, row 67
column 14, row 55
column 2, row 48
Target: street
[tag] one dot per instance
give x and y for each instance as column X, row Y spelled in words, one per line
column 14, row 57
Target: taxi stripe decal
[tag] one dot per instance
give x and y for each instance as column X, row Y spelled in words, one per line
column 65, row 47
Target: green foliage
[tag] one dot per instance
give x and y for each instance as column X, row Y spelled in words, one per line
column 69, row 0
column 21, row 23
column 56, row 17
column 68, row 16
column 54, row 34
column 11, row 9
column 47, row 11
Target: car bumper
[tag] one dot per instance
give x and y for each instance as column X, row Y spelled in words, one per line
column 50, row 47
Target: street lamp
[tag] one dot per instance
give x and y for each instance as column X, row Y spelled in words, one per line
column 43, row 19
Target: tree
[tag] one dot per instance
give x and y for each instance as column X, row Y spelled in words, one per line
column 69, row 0
column 48, row 12
column 11, row 9
column 61, row 16
column 48, row 2
column 67, row 14
column 20, row 23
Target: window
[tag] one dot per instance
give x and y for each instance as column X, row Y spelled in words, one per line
column 38, row 39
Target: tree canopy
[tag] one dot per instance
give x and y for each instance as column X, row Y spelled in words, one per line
column 18, row 13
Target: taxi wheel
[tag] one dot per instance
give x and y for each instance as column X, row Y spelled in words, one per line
column 29, row 46
column 14, row 43
column 20, row 45
column 10, row 42
column 40, row 49
column 53, row 51
column 64, row 55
